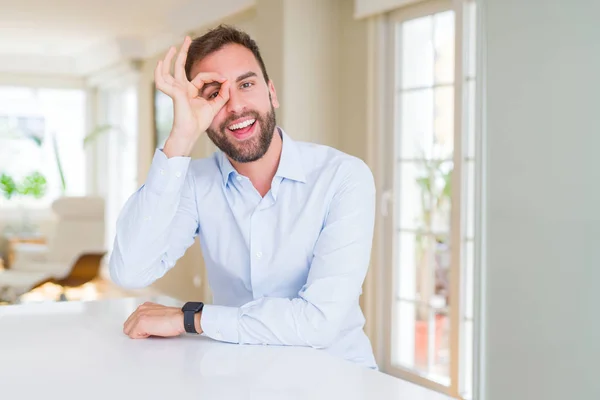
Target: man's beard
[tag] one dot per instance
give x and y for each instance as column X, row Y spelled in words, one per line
column 250, row 149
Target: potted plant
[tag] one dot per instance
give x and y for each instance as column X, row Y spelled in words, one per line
column 33, row 185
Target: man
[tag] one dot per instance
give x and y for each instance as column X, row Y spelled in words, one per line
column 285, row 227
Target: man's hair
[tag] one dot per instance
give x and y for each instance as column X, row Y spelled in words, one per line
column 217, row 38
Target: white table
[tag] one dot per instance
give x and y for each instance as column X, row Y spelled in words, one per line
column 77, row 350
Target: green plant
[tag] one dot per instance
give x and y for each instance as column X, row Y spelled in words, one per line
column 63, row 183
column 435, row 183
column 434, row 180
column 96, row 133
column 33, row 185
column 8, row 186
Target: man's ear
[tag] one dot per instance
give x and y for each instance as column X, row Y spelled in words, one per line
column 273, row 93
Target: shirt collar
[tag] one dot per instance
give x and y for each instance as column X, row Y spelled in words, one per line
column 225, row 167
column 290, row 163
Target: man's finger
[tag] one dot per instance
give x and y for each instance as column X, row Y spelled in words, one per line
column 166, row 64
column 222, row 98
column 141, row 335
column 160, row 81
column 134, row 326
column 129, row 322
column 206, row 77
column 180, row 61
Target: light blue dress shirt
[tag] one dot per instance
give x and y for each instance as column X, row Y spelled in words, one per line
column 284, row 269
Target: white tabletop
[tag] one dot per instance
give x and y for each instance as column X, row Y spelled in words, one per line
column 77, row 350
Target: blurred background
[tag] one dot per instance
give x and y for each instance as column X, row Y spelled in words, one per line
column 477, row 118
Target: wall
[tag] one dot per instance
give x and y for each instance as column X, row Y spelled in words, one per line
column 300, row 44
column 543, row 220
column 351, row 82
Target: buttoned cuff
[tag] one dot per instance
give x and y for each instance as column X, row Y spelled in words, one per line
column 220, row 323
column 167, row 174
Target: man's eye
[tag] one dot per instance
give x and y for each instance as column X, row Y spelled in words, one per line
column 246, row 85
column 212, row 96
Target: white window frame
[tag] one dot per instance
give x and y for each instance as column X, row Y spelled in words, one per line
column 386, row 133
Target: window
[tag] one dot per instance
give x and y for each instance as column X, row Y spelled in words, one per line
column 35, row 126
column 430, row 241
column 118, row 109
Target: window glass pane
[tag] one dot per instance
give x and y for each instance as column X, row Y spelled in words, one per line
column 65, row 112
column 467, row 359
column 425, row 195
column 119, row 110
column 470, row 86
column 469, row 257
column 36, row 125
column 469, row 199
column 424, row 268
column 410, row 204
column 416, row 124
column 470, row 45
column 410, row 257
column 163, row 118
column 417, row 52
column 443, row 37
column 443, row 145
column 423, row 345
column 410, row 336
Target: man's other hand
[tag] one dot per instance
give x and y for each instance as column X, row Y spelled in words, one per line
column 151, row 319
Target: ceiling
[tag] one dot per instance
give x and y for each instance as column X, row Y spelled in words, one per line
column 78, row 37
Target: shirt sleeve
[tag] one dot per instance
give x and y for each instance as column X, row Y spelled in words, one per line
column 341, row 259
column 156, row 225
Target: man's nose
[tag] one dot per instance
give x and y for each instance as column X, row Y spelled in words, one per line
column 235, row 104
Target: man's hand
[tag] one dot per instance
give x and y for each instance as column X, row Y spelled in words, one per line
column 193, row 113
column 151, row 319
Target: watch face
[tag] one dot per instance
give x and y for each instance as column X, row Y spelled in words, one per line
column 194, row 306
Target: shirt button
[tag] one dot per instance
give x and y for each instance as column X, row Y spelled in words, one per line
column 178, row 174
column 147, row 218
column 219, row 335
column 259, row 254
column 162, row 171
column 239, row 178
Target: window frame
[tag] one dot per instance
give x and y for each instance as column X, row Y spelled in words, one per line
column 457, row 217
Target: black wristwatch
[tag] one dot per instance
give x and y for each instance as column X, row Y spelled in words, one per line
column 190, row 309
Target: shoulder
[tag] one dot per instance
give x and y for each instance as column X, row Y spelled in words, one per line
column 341, row 169
column 205, row 173
column 205, row 167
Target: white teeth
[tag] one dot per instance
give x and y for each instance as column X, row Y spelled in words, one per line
column 242, row 124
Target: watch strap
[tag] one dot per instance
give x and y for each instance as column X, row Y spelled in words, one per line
column 188, row 321
column 190, row 309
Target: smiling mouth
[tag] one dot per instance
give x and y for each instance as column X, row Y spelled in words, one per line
column 242, row 130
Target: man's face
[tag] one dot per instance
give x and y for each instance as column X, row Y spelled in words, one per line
column 244, row 127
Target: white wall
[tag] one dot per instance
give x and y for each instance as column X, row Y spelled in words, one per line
column 542, row 338
column 300, row 45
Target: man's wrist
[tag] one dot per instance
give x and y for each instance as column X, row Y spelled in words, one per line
column 197, row 318
column 177, row 148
